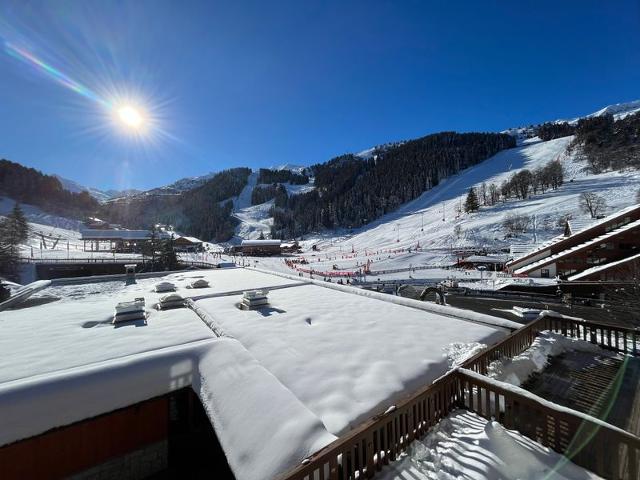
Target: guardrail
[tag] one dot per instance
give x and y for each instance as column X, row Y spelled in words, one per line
column 607, row 336
column 85, row 260
column 106, row 260
column 589, row 442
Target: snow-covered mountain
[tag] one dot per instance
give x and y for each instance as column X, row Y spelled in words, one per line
column 421, row 220
column 100, row 195
column 290, row 166
column 619, row 110
column 187, row 183
column 445, row 199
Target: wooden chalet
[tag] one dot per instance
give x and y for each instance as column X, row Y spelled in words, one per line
column 610, row 241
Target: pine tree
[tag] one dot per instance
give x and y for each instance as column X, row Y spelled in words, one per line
column 168, row 257
column 14, row 230
column 471, row 204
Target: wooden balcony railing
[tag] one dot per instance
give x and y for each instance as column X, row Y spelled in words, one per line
column 591, row 443
column 588, row 442
column 609, row 337
column 365, row 450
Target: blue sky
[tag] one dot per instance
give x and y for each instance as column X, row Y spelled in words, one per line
column 257, row 83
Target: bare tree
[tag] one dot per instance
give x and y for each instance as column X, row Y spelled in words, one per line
column 494, row 193
column 592, row 203
column 515, row 224
column 484, row 194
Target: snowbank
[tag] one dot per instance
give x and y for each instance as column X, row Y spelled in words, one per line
column 263, row 428
column 445, row 310
column 547, row 344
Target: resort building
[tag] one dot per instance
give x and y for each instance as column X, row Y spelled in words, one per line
column 601, row 249
column 318, row 381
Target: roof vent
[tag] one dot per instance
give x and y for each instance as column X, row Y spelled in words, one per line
column 201, row 283
column 165, row 287
column 173, row 300
column 129, row 311
column 254, row 299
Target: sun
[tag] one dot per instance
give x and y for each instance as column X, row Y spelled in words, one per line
column 131, row 117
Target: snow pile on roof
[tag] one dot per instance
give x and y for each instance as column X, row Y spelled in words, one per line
column 465, row 445
column 263, row 427
column 189, row 239
column 261, row 243
column 517, row 370
column 352, row 359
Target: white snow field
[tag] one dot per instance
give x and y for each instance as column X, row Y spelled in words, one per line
column 277, row 383
column 468, row 447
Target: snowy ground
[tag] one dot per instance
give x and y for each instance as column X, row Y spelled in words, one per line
column 466, row 446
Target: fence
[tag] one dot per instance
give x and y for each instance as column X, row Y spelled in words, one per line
column 598, row 446
column 609, row 337
column 85, row 260
column 109, row 260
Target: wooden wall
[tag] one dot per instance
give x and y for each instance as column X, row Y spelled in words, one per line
column 74, row 448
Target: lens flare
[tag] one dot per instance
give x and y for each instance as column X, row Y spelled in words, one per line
column 52, row 72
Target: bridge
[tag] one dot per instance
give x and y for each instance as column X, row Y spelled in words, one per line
column 49, row 268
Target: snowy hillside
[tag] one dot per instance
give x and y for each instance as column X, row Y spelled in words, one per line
column 619, row 110
column 256, row 219
column 184, row 184
column 420, row 222
column 430, row 222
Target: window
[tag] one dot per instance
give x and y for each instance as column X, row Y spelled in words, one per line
column 544, row 273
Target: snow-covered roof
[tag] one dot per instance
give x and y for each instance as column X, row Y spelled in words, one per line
column 261, row 243
column 189, row 239
column 96, row 234
column 486, row 259
column 582, row 246
column 579, row 224
column 307, row 368
column 601, row 268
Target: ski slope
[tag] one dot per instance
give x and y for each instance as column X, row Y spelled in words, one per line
column 255, row 220
column 423, row 231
